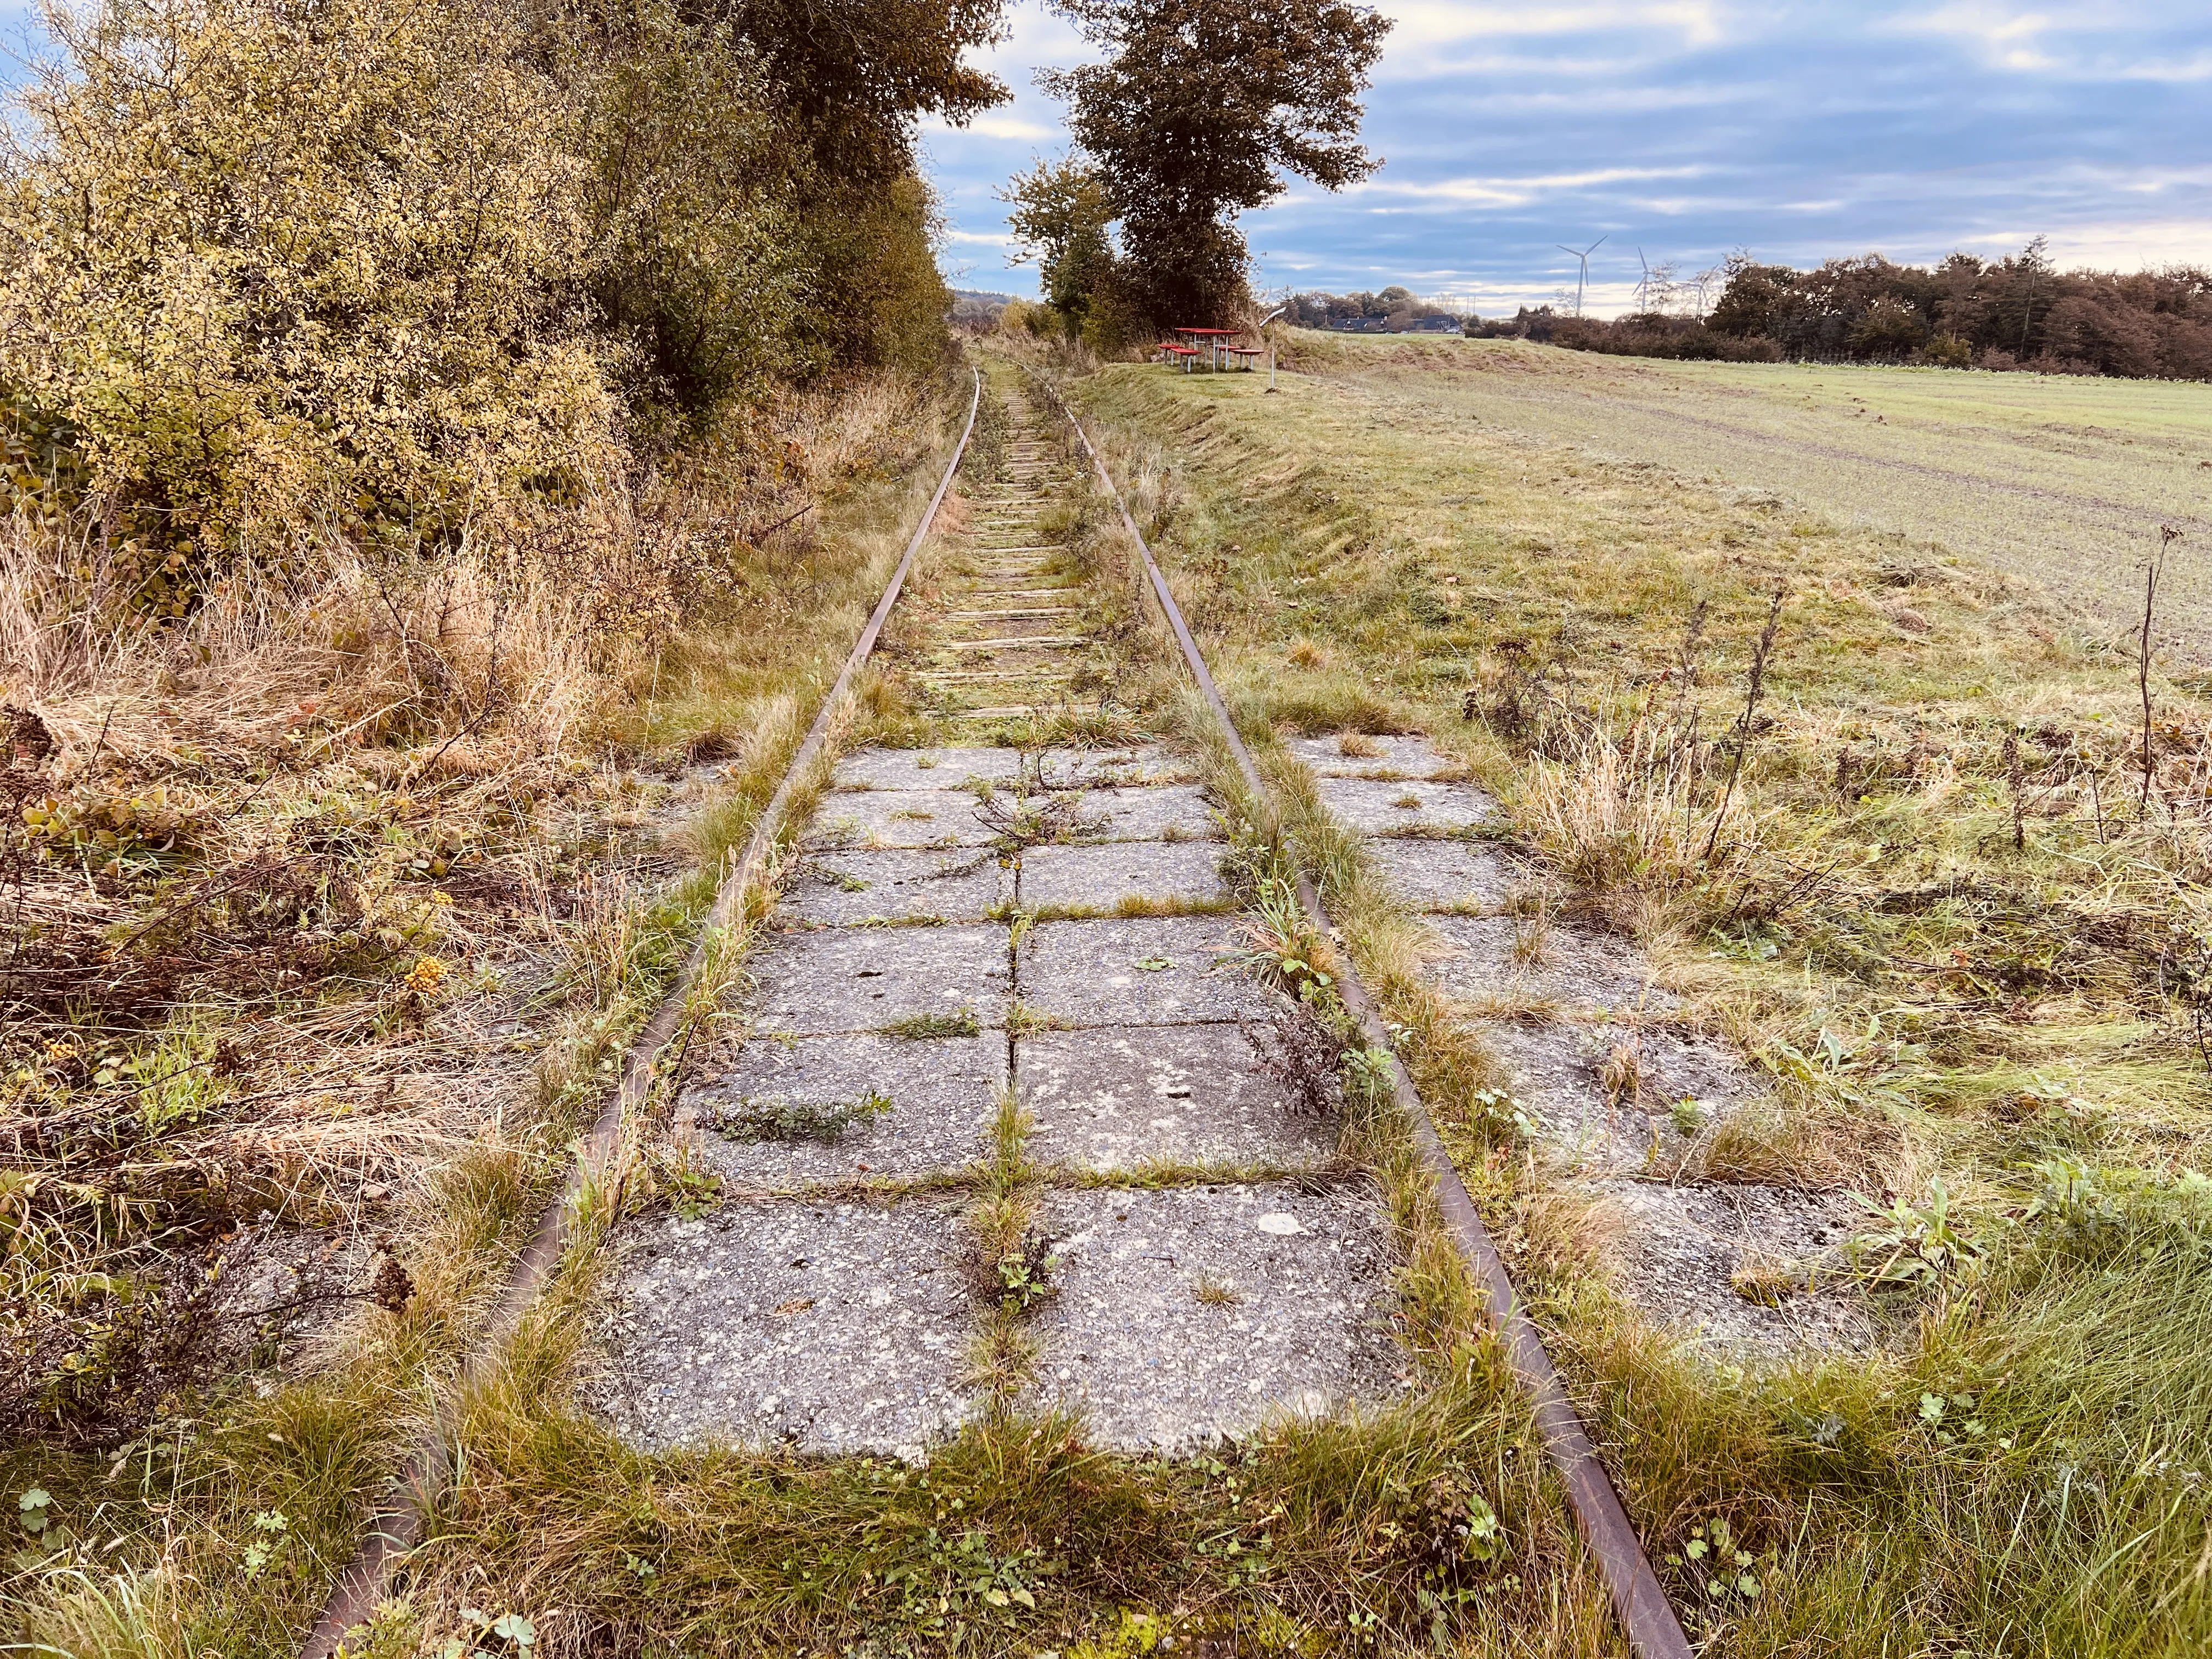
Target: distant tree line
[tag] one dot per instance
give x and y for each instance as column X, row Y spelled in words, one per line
column 2017, row 312
column 1393, row 311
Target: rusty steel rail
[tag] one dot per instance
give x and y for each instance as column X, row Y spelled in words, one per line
column 1638, row 1599
column 396, row 1525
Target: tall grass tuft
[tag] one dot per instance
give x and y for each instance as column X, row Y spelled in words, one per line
column 1618, row 813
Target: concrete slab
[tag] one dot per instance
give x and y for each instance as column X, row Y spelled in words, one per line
column 925, row 768
column 838, row 889
column 827, row 1327
column 1687, row 1256
column 1189, row 1315
column 1557, row 1072
column 1163, row 811
column 1118, row 1097
column 862, row 979
column 897, row 817
column 779, row 1114
column 1100, row 878
column 1377, row 806
column 1106, row 768
column 1053, row 630
column 1137, row 972
column 1445, row 875
column 1562, row 965
column 1356, row 754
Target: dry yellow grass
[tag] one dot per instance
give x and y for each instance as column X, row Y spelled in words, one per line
column 333, row 909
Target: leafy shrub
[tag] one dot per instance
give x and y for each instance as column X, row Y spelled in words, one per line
column 412, row 272
column 349, row 300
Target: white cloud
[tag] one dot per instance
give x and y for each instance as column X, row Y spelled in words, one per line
column 1503, row 191
column 1425, row 23
column 2069, row 43
column 996, row 123
column 2121, row 244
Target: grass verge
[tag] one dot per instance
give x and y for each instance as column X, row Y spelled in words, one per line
column 1908, row 877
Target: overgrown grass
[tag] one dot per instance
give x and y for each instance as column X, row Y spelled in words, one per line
column 408, row 1106
column 1930, row 913
column 1427, row 1521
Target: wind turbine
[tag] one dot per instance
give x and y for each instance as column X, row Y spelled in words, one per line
column 1644, row 287
column 1583, row 255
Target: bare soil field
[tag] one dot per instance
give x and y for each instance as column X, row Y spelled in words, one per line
column 2064, row 481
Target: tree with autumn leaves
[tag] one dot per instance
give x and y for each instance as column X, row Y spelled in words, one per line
column 1198, row 112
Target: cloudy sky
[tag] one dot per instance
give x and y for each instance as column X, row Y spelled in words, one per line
column 1687, row 128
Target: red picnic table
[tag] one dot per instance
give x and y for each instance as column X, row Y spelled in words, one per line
column 1214, row 342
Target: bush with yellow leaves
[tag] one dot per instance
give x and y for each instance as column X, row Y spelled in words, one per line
column 280, row 266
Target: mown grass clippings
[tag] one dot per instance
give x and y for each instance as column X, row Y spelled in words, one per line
column 917, row 1028
column 774, row 1118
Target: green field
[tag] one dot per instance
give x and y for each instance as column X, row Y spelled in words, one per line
column 2063, row 480
column 1934, row 908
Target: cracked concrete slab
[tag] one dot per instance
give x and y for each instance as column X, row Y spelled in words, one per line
column 1101, row 878
column 1189, row 1315
column 1557, row 1072
column 1117, row 1096
column 832, row 1328
column 1686, row 1255
column 1163, row 811
column 860, row 979
column 926, row 768
column 1353, row 754
column 1141, row 971
column 1445, row 875
column 903, row 883
column 898, row 818
column 1554, row 963
column 781, row 1114
column 1381, row 806
column 1106, row 768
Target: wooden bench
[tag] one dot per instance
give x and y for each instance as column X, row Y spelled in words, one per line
column 1187, row 355
column 1246, row 357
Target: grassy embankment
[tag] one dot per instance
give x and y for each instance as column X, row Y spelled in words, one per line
column 1937, row 918
column 2062, row 481
column 345, row 906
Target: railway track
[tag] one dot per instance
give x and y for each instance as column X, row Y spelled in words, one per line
column 1003, row 1124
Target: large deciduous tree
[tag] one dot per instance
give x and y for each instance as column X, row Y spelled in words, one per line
column 854, row 73
column 1199, row 109
column 1061, row 221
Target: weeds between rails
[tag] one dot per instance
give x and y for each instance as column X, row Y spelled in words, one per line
column 342, row 992
column 1933, row 916
column 1432, row 1519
